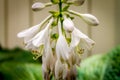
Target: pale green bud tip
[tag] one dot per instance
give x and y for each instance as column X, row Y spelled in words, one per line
column 38, row 6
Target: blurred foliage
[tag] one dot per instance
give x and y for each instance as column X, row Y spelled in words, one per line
column 18, row 64
column 101, row 67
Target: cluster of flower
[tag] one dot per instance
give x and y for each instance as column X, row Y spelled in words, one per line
column 61, row 49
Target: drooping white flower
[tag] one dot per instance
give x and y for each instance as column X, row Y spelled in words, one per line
column 38, row 6
column 68, row 25
column 48, row 59
column 62, row 49
column 32, row 31
column 29, row 33
column 78, row 37
column 42, row 36
column 90, row 19
column 38, row 42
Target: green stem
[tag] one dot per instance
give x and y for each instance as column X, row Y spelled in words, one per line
column 60, row 10
column 74, row 13
column 45, row 20
column 61, row 16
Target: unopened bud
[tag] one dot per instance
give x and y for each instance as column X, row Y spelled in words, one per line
column 38, row 6
column 68, row 25
column 90, row 19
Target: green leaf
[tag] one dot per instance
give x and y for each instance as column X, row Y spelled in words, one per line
column 21, row 71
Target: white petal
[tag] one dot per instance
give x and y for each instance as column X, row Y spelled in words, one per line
column 31, row 47
column 42, row 36
column 90, row 19
column 29, row 31
column 88, row 43
column 77, row 36
column 68, row 25
column 27, row 39
column 48, row 58
column 62, row 49
column 60, row 70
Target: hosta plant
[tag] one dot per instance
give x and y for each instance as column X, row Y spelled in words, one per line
column 61, row 50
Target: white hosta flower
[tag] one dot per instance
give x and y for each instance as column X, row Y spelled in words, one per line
column 37, row 43
column 90, row 19
column 78, row 37
column 78, row 2
column 60, row 70
column 32, row 31
column 29, row 33
column 48, row 59
column 62, row 49
column 42, row 36
column 68, row 25
column 38, row 6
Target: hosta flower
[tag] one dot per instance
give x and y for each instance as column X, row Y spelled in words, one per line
column 32, row 37
column 78, row 37
column 32, row 31
column 29, row 33
column 68, row 25
column 48, row 59
column 42, row 36
column 62, row 49
column 38, row 6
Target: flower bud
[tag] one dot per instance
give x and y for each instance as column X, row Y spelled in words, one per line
column 68, row 25
column 38, row 6
column 90, row 19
